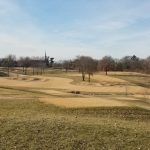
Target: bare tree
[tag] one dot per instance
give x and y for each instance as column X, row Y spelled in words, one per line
column 86, row 65
column 21, row 63
column 106, row 64
column 10, row 61
column 146, row 65
column 27, row 63
column 68, row 64
column 38, row 65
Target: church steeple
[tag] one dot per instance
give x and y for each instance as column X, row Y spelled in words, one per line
column 45, row 56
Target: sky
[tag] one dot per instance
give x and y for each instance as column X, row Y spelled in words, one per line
column 69, row 28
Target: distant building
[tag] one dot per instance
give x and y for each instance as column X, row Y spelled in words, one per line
column 49, row 61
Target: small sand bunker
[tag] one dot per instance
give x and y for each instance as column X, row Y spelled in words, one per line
column 45, row 80
column 28, row 78
column 83, row 102
column 22, row 78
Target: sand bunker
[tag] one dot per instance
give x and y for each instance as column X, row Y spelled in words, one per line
column 65, row 84
column 83, row 102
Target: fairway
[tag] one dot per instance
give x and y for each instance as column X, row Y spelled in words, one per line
column 60, row 90
column 60, row 111
column 74, row 75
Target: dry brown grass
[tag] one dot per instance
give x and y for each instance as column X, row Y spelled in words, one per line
column 62, row 87
column 125, row 73
column 29, row 118
column 112, row 85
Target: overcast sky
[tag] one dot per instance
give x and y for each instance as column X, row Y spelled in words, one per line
column 67, row 28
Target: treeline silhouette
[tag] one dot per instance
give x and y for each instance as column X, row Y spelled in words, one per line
column 84, row 64
column 107, row 63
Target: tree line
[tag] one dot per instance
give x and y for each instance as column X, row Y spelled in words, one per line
column 88, row 65
column 37, row 64
column 84, row 64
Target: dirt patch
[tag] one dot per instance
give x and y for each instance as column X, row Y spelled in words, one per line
column 35, row 79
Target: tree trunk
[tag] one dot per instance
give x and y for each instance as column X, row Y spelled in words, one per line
column 83, row 76
column 66, row 70
column 89, row 77
column 8, row 72
column 106, row 71
column 26, row 71
column 17, row 75
column 33, row 71
column 23, row 69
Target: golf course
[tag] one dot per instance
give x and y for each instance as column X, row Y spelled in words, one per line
column 57, row 110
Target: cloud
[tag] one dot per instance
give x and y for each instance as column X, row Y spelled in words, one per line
column 96, row 30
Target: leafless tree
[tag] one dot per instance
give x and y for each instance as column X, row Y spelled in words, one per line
column 106, row 64
column 146, row 65
column 66, row 65
column 38, row 65
column 27, row 64
column 21, row 63
column 86, row 65
column 9, row 62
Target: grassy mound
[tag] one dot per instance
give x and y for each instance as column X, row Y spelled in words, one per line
column 30, row 124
